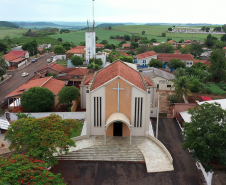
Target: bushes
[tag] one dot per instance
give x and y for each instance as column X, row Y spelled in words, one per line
column 212, row 89
column 173, row 99
column 222, row 85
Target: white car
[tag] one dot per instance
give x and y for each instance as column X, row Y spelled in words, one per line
column 25, row 74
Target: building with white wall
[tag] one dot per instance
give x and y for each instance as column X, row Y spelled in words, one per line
column 143, row 59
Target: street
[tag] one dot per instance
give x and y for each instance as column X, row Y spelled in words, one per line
column 17, row 80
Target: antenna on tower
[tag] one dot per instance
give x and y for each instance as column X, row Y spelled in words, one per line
column 93, row 17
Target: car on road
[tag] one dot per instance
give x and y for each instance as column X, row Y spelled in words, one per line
column 25, row 74
column 34, row 60
column 49, row 60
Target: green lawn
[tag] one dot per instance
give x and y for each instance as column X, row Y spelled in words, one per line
column 62, row 62
column 77, row 132
column 12, row 33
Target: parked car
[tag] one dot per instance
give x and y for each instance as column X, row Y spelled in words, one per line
column 25, row 74
column 49, row 60
column 34, row 60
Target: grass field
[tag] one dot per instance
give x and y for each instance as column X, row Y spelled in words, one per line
column 4, row 28
column 12, row 33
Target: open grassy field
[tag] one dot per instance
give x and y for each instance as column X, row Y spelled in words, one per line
column 12, row 33
column 4, row 28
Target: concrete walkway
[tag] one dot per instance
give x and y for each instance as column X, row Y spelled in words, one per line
column 119, row 149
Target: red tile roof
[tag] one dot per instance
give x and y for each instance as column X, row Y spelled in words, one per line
column 19, row 53
column 126, row 45
column 172, row 41
column 10, row 56
column 123, row 53
column 206, row 62
column 40, row 49
column 177, row 52
column 54, row 66
column 76, row 51
column 167, row 57
column 224, row 48
column 187, row 41
column 146, row 55
column 183, row 45
column 80, row 47
column 100, row 45
column 48, row 82
column 78, row 71
column 17, row 60
column 88, row 78
column 148, row 80
column 118, row 68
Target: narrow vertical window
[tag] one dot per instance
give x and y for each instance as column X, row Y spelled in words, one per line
column 141, row 105
column 94, row 111
column 138, row 111
column 100, row 111
column 135, row 112
column 97, row 112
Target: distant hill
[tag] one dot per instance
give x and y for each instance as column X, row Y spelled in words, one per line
column 8, row 24
column 22, row 24
column 109, row 24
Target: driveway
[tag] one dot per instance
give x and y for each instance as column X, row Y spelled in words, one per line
column 134, row 173
column 16, row 80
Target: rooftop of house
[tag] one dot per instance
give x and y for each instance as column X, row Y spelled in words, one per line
column 123, row 53
column 172, row 41
column 121, row 69
column 100, row 45
column 152, row 72
column 48, row 82
column 53, row 66
column 76, row 50
column 75, row 71
column 126, row 45
column 10, row 56
column 168, row 57
column 19, row 53
column 206, row 62
column 146, row 55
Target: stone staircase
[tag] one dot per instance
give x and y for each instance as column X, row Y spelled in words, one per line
column 116, row 149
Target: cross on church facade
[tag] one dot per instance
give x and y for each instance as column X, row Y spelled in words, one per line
column 118, row 95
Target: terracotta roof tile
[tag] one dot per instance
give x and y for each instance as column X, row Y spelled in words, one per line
column 47, row 82
column 80, row 47
column 148, row 81
column 19, row 53
column 17, row 60
column 88, row 78
column 115, row 69
column 100, row 45
column 78, row 71
column 123, row 53
column 206, row 62
column 126, row 45
column 167, row 57
column 146, row 55
column 172, row 41
column 54, row 66
column 10, row 56
column 76, row 51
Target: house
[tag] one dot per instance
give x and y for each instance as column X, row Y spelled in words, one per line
column 100, row 46
column 79, row 51
column 50, row 68
column 186, row 58
column 23, row 54
column 162, row 78
column 156, row 43
column 119, row 101
column 206, row 62
column 172, row 42
column 143, row 59
column 73, row 76
column 48, row 82
column 125, row 54
column 14, row 61
column 126, row 46
column 188, row 41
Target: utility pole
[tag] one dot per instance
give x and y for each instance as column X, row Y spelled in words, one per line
column 157, row 126
column 33, row 51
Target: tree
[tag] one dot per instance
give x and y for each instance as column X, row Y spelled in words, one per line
column 205, row 135
column 155, row 63
column 224, row 28
column 37, row 99
column 181, row 41
column 142, row 49
column 3, row 67
column 182, row 87
column 66, row 45
column 109, row 27
column 104, row 42
column 199, row 65
column 164, row 48
column 93, row 66
column 134, row 45
column 176, row 63
column 97, row 38
column 170, row 29
column 217, row 64
column 195, row 85
column 143, row 32
column 196, row 49
column 223, row 38
column 31, row 47
column 42, row 138
column 3, row 48
column 153, row 40
column 68, row 94
column 125, row 59
column 59, row 49
column 60, row 39
column 203, row 28
column 219, row 45
column 77, row 60
column 163, row 34
column 126, row 37
column 207, row 29
column 217, row 29
column 97, row 61
column 24, row 170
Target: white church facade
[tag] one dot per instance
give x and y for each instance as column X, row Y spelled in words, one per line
column 118, row 101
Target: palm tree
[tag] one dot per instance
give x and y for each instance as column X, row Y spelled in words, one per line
column 182, row 86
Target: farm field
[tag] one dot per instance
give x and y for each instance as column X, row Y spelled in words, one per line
column 12, row 33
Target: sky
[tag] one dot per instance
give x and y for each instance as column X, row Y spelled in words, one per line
column 138, row 11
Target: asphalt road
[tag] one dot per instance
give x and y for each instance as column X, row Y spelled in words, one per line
column 132, row 173
column 17, row 80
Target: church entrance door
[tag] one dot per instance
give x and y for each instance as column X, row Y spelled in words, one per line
column 117, row 129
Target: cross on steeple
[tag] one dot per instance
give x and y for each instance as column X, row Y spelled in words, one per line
column 118, row 95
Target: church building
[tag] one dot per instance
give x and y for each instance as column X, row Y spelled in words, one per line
column 119, row 101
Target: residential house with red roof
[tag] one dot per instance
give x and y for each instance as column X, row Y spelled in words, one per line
column 23, row 54
column 126, row 46
column 186, row 58
column 73, row 76
column 13, row 60
column 119, row 101
column 48, row 82
column 143, row 59
column 206, row 62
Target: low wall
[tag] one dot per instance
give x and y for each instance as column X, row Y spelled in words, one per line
column 162, row 146
column 64, row 115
